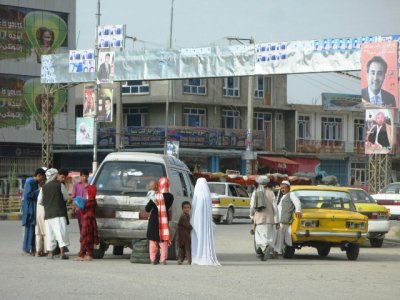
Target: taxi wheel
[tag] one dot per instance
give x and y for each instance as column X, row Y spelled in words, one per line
column 376, row 243
column 229, row 216
column 323, row 250
column 352, row 251
column 288, row 252
column 217, row 219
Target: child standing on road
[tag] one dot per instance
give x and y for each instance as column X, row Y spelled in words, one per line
column 184, row 230
column 158, row 232
column 89, row 236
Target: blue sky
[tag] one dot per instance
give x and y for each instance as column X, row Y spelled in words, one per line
column 208, row 22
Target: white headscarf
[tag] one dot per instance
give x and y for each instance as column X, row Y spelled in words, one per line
column 203, row 240
column 51, row 174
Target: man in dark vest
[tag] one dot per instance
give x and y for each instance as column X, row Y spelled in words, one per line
column 55, row 196
column 288, row 204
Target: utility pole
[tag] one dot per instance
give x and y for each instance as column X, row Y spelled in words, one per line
column 94, row 164
column 169, row 96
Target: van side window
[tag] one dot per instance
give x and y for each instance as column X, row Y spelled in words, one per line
column 183, row 183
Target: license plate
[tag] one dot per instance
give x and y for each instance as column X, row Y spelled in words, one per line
column 127, row 214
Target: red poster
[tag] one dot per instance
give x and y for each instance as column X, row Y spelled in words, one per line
column 379, row 74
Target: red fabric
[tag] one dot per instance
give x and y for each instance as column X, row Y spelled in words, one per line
column 89, row 235
column 163, row 222
column 279, row 163
column 307, row 165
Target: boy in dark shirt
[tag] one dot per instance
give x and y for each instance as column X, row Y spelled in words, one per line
column 184, row 229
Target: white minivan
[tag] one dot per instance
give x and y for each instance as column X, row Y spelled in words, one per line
column 122, row 184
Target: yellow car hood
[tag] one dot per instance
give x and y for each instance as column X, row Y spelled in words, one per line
column 370, row 207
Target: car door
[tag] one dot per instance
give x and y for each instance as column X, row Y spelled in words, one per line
column 232, row 195
column 242, row 201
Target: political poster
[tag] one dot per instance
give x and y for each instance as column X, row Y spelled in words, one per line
column 379, row 74
column 105, row 71
column 111, row 36
column 105, row 105
column 89, row 102
column 380, row 132
column 84, row 131
column 82, row 61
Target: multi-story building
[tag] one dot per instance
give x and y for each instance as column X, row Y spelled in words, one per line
column 207, row 116
column 28, row 29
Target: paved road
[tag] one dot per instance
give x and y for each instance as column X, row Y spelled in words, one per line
column 376, row 274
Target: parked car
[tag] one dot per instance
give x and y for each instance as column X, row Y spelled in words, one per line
column 229, row 201
column 378, row 215
column 122, row 185
column 329, row 219
column 389, row 197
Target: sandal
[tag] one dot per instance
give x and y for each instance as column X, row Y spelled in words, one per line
column 87, row 258
column 78, row 258
column 64, row 257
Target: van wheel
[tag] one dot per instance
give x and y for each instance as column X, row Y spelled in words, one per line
column 229, row 216
column 288, row 252
column 323, row 250
column 118, row 250
column 352, row 251
column 173, row 249
column 99, row 253
column 376, row 243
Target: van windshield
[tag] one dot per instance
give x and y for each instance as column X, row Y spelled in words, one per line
column 122, row 177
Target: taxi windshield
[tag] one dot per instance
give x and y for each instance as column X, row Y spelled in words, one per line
column 325, row 199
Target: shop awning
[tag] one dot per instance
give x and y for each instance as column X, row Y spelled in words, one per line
column 307, row 165
column 279, row 164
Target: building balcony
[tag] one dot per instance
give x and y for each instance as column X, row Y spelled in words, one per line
column 329, row 146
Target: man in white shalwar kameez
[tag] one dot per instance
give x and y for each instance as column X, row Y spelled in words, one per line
column 264, row 213
column 288, row 203
column 203, row 232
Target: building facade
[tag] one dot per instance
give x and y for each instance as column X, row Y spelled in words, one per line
column 27, row 30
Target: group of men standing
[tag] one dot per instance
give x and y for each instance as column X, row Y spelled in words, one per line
column 272, row 217
column 44, row 213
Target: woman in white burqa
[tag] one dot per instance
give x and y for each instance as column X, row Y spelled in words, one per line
column 203, row 240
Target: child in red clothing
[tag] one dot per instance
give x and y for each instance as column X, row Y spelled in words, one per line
column 89, row 236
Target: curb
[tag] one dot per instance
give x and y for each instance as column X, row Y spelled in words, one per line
column 11, row 217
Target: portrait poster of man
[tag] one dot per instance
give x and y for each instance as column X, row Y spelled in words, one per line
column 89, row 100
column 380, row 137
column 105, row 105
column 105, row 71
column 173, row 148
column 84, row 131
column 379, row 74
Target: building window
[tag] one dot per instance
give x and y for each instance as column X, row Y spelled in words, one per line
column 135, row 116
column 231, row 87
column 137, row 87
column 79, row 111
column 279, row 117
column 260, row 118
column 195, row 117
column 231, row 119
column 303, row 127
column 359, row 130
column 259, row 83
column 331, row 128
column 358, row 173
column 195, row 86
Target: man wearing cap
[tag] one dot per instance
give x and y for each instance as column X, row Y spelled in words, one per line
column 287, row 203
column 264, row 213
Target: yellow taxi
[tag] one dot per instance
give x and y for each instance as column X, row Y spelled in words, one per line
column 329, row 219
column 378, row 215
column 229, row 201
